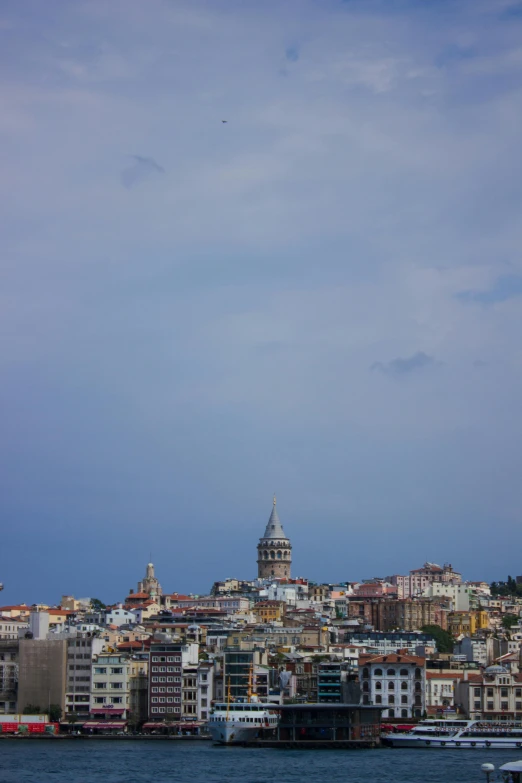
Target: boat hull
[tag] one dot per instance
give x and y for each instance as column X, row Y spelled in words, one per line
column 454, row 743
column 232, row 734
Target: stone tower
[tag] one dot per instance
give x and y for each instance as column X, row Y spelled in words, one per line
column 150, row 584
column 274, row 551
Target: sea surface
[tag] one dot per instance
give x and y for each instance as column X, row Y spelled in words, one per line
column 115, row 761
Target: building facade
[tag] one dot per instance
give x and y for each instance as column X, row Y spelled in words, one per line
column 167, row 661
column 396, row 682
column 110, row 686
column 274, row 551
column 80, row 652
column 8, row 676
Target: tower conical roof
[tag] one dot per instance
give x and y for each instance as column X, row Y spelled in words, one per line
column 274, row 529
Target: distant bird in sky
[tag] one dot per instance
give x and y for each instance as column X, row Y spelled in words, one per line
column 224, row 120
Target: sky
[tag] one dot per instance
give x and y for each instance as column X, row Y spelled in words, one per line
column 320, row 297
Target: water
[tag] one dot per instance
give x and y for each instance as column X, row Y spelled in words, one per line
column 29, row 761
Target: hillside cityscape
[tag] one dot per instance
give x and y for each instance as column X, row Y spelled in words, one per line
column 426, row 643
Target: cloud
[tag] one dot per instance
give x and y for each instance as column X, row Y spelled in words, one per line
column 292, row 54
column 399, row 366
column 141, row 170
column 505, row 287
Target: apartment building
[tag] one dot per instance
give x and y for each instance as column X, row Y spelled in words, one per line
column 8, row 676
column 495, row 694
column 111, row 687
column 81, row 649
column 396, row 681
column 168, row 659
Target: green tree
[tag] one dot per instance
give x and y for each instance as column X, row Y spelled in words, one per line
column 72, row 718
column 509, row 620
column 443, row 639
column 31, row 709
column 97, row 605
column 55, row 713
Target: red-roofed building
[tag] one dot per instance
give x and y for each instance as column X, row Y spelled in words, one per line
column 396, row 681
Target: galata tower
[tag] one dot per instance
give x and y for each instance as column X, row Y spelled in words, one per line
column 274, row 551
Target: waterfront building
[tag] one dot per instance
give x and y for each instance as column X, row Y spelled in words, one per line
column 110, row 687
column 8, row 676
column 167, row 660
column 274, row 551
column 241, row 672
column 397, row 682
column 440, row 690
column 335, row 683
column 42, row 674
column 205, row 688
column 81, row 648
column 495, row 694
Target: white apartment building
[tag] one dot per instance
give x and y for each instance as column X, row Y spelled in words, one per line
column 110, row 686
column 458, row 594
column 396, row 681
column 440, row 690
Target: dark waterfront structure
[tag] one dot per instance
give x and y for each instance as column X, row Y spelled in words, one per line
column 325, row 726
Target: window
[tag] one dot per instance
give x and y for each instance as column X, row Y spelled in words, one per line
column 404, row 686
column 418, row 674
column 518, row 706
column 378, row 699
column 391, row 713
column 366, row 687
column 403, row 672
column 365, row 672
column 378, row 672
column 477, row 691
column 100, row 685
column 117, row 700
column 404, row 713
column 404, row 699
column 378, row 686
column 117, row 670
column 100, row 670
column 490, row 705
column 391, row 699
column 489, row 692
column 518, row 693
column 504, row 705
column 116, row 685
column 503, row 693
column 99, row 700
column 391, row 685
column 391, row 672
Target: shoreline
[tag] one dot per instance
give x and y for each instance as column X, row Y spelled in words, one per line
column 125, row 737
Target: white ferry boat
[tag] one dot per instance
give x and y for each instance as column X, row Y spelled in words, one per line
column 240, row 722
column 455, row 733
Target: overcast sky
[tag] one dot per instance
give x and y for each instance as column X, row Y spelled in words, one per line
column 320, row 297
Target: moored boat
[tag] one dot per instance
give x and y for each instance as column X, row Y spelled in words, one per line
column 459, row 734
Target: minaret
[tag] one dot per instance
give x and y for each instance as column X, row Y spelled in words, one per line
column 274, row 551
